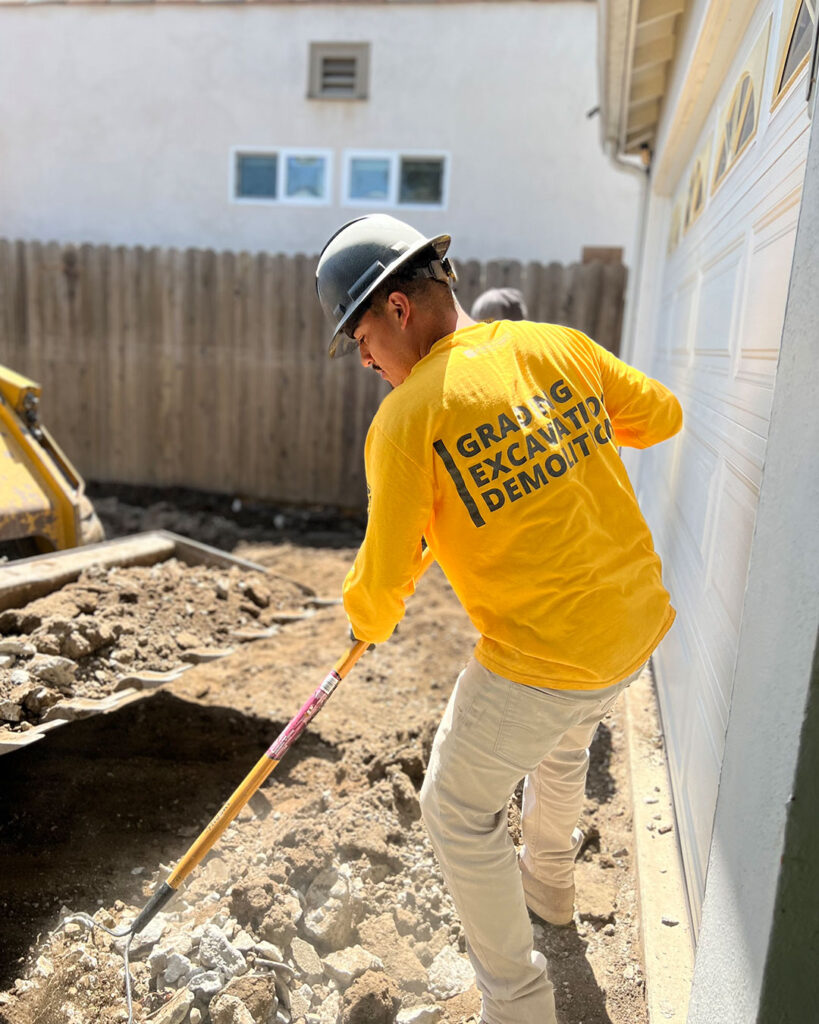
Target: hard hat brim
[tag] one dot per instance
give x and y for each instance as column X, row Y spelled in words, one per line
column 341, row 343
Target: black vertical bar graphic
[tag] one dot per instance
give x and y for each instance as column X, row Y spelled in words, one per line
column 463, row 493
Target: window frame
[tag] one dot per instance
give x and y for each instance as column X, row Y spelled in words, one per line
column 675, row 231
column 282, row 153
column 735, row 154
column 779, row 94
column 702, row 165
column 360, row 51
column 394, row 156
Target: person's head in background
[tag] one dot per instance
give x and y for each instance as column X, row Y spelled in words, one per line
column 499, row 304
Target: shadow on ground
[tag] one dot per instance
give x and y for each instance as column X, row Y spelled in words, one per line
column 600, row 783
column 573, row 977
column 92, row 800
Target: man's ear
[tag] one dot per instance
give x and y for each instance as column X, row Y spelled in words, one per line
column 400, row 306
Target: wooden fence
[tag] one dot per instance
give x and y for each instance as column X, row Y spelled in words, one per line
column 209, row 370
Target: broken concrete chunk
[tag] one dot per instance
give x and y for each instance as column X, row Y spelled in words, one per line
column 19, row 677
column 17, row 648
column 205, row 985
column 40, row 698
column 300, row 1001
column 306, row 959
column 229, row 1010
column 144, row 941
column 176, row 1010
column 9, row 711
column 177, row 970
column 395, row 951
column 419, row 1015
column 450, row 974
column 329, row 1010
column 216, row 951
column 157, row 961
column 53, row 669
column 348, row 964
column 328, row 919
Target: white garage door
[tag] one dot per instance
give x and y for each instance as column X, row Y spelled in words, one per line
column 725, row 281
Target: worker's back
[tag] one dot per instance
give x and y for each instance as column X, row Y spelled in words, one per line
column 504, row 436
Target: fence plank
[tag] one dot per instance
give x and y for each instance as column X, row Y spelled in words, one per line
column 610, row 316
column 210, row 370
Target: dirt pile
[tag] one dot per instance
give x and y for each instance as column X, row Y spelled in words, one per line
column 121, row 627
column 322, row 903
column 338, row 917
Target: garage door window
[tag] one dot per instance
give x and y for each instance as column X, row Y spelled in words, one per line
column 674, row 234
column 738, row 129
column 696, row 194
column 797, row 46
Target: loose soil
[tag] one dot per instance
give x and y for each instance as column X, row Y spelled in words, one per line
column 112, row 626
column 94, row 815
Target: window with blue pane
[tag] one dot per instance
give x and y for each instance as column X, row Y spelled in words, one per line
column 256, row 175
column 369, row 178
column 422, row 181
column 305, row 178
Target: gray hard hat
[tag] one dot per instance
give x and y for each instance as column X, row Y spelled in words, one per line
column 359, row 257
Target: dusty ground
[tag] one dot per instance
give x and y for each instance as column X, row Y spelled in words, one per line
column 93, row 815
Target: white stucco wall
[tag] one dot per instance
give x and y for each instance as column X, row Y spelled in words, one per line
column 725, row 371
column 116, row 124
column 774, row 663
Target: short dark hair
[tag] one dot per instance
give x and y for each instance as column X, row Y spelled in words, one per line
column 406, row 279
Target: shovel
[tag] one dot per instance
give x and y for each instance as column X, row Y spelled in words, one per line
column 240, row 796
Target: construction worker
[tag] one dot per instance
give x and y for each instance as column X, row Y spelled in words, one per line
column 500, row 304
column 498, row 446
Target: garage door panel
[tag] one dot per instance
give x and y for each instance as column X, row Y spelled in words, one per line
column 728, row 427
column 672, row 661
column 768, row 276
column 731, row 549
column 702, row 768
column 717, row 311
column 709, row 633
column 681, row 322
column 699, row 463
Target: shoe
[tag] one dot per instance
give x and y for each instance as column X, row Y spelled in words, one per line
column 553, row 905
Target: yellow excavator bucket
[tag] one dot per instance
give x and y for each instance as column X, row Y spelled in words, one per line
column 41, row 493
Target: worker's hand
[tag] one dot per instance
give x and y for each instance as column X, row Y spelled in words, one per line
column 355, row 640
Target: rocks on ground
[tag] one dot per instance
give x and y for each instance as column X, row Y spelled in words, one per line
column 323, row 929
column 114, row 627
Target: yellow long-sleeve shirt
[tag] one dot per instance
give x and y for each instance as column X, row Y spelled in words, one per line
column 500, row 449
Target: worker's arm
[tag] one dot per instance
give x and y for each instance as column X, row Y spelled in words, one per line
column 642, row 411
column 388, row 563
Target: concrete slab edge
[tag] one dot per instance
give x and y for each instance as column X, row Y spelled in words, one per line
column 18, row 741
column 668, row 946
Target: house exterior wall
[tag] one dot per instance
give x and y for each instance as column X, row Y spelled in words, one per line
column 709, row 324
column 117, row 124
column 766, row 810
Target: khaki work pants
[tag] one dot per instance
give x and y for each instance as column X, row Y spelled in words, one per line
column 493, row 733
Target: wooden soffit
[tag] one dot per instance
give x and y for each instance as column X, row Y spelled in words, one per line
column 637, row 44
